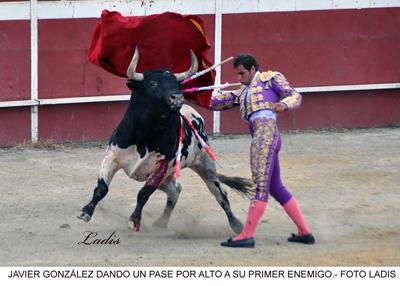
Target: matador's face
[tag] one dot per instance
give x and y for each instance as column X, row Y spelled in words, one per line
column 245, row 76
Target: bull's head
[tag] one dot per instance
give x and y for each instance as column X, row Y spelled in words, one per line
column 160, row 88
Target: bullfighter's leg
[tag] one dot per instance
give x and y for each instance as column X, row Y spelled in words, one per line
column 206, row 169
column 108, row 168
column 152, row 183
column 172, row 189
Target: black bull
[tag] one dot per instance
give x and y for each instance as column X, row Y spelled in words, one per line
column 145, row 142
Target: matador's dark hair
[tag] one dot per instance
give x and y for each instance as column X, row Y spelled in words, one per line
column 246, row 60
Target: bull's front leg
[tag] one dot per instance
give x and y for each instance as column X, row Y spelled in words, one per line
column 151, row 185
column 99, row 193
column 142, row 198
column 108, row 168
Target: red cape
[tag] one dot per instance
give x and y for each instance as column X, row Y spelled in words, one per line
column 164, row 41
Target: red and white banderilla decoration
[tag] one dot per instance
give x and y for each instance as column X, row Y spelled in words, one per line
column 207, row 148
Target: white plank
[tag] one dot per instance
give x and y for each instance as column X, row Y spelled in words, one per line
column 92, row 8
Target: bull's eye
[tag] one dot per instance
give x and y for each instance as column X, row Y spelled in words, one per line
column 153, row 83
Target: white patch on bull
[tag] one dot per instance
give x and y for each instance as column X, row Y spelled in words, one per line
column 193, row 118
column 188, row 111
column 193, row 152
column 141, row 168
column 134, row 167
column 108, row 167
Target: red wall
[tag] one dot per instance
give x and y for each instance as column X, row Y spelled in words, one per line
column 64, row 71
column 312, row 48
column 317, row 48
column 80, row 121
column 15, row 73
column 15, row 125
column 345, row 109
column 15, row 82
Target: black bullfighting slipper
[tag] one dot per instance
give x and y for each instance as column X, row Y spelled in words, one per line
column 306, row 239
column 244, row 243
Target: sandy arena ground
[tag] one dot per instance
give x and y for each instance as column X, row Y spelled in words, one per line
column 347, row 183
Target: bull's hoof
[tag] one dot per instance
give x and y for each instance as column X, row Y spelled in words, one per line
column 236, row 226
column 85, row 217
column 160, row 223
column 134, row 225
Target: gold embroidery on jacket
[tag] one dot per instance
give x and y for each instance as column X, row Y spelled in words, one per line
column 266, row 76
column 255, row 100
column 290, row 96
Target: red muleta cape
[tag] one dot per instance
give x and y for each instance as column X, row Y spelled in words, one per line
column 164, row 41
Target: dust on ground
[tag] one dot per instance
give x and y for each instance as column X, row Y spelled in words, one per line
column 347, row 184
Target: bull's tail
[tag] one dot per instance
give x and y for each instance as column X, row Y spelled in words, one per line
column 241, row 185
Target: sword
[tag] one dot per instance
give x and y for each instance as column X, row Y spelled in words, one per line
column 210, row 87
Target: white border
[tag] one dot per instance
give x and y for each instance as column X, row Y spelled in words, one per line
column 92, row 8
column 34, row 70
column 217, row 59
column 195, row 276
column 356, row 87
column 114, row 98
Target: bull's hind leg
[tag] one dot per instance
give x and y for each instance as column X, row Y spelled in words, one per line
column 172, row 189
column 108, row 168
column 206, row 169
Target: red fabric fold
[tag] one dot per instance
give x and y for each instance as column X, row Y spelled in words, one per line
column 164, row 41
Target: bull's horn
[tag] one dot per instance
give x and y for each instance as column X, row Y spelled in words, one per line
column 131, row 71
column 193, row 68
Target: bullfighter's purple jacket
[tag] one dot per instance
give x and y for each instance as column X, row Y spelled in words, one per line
column 264, row 91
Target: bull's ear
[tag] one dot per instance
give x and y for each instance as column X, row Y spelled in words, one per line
column 133, row 84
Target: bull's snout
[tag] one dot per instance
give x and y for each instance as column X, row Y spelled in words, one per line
column 176, row 100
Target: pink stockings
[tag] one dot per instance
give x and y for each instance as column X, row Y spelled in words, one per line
column 257, row 209
column 293, row 211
